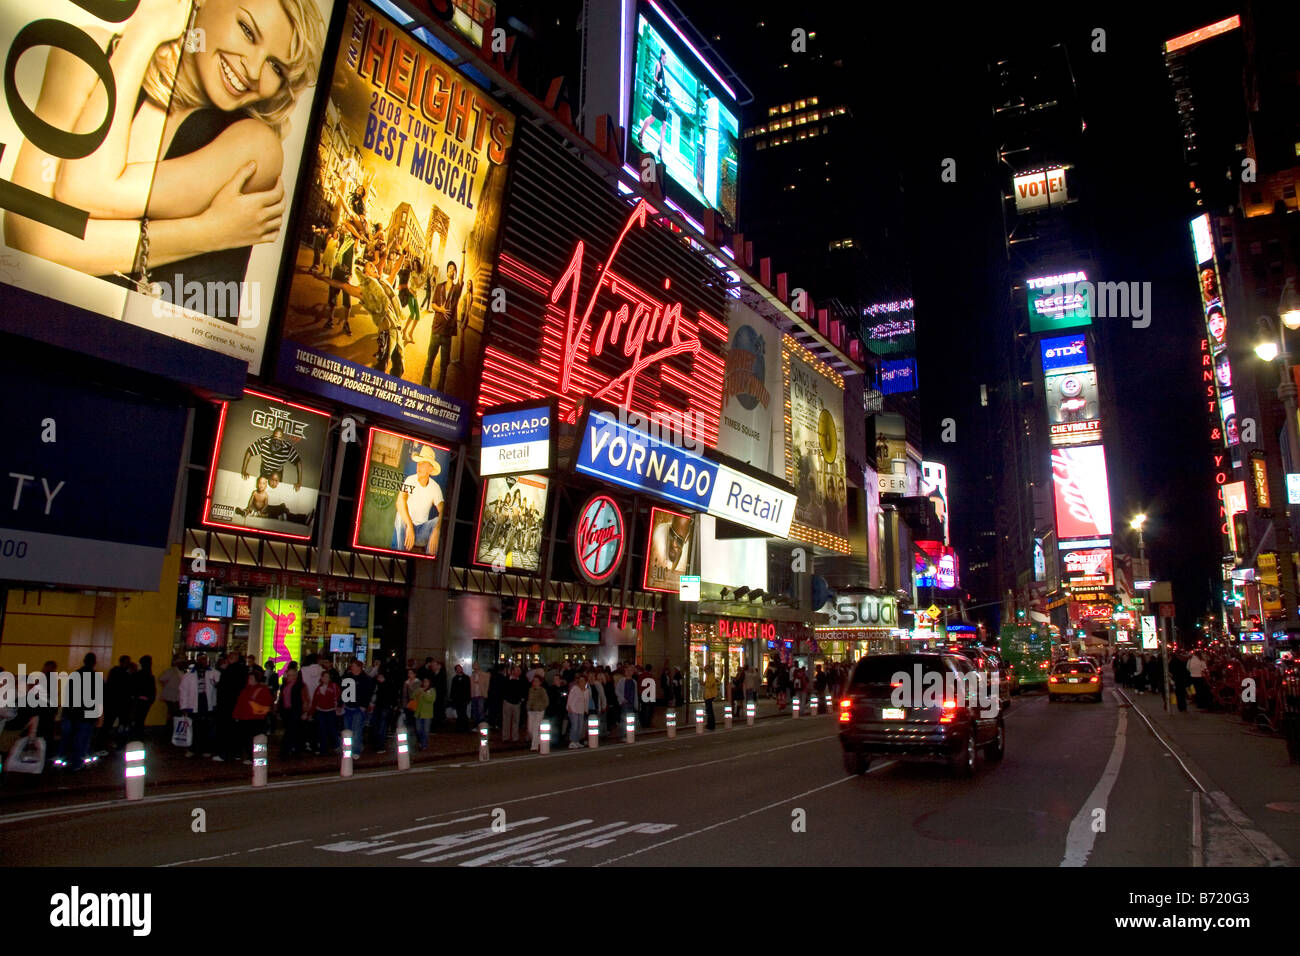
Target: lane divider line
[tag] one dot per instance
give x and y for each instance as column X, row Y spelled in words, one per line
column 1081, row 837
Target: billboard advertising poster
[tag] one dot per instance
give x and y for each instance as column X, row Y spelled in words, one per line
column 1089, row 564
column 1064, row 353
column 266, row 467
column 1081, row 492
column 897, row 376
column 684, row 115
column 890, row 327
column 282, row 633
column 1040, row 189
column 815, row 445
column 751, row 386
column 1234, row 502
column 934, row 485
column 149, row 181
column 1059, row 301
column 393, row 260
column 668, row 550
column 940, row 557
column 1073, row 407
column 516, row 441
column 510, row 517
column 403, row 490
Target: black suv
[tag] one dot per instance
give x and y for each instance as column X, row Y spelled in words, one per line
column 939, row 719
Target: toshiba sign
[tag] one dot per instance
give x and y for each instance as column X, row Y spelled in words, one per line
column 1040, row 190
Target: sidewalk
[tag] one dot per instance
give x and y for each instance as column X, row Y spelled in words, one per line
column 1231, row 757
column 168, row 767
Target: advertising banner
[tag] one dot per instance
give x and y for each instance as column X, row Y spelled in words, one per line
column 1059, row 301
column 940, row 557
column 614, row 452
column 516, row 441
column 685, row 115
column 393, row 264
column 1073, row 407
column 1149, row 639
column 1089, row 566
column 1216, row 323
column 668, row 550
column 751, row 392
column 510, row 529
column 403, row 490
column 1081, row 492
column 934, row 485
column 1234, row 502
column 889, row 327
column 1064, row 353
column 815, row 443
column 898, row 376
column 266, row 467
column 282, row 633
column 150, row 153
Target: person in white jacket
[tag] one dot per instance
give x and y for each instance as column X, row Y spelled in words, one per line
column 577, row 705
column 198, row 700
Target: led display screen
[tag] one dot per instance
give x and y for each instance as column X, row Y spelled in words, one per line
column 1073, row 407
column 1216, row 323
column 1064, row 352
column 889, row 327
column 684, row 116
column 1059, row 301
column 897, row 376
column 1089, row 566
column 1082, row 494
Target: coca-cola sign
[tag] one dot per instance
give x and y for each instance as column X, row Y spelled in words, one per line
column 1081, row 491
column 599, row 539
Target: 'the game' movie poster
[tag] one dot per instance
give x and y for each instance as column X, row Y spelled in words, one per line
column 395, row 252
column 151, row 150
column 266, row 468
column 403, row 494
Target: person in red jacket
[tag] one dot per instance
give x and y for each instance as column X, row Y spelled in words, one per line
column 324, row 704
column 251, row 711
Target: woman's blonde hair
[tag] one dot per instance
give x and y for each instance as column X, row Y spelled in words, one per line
column 171, row 81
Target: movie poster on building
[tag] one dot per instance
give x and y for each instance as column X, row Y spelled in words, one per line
column 403, row 495
column 266, row 467
column 394, row 254
column 510, row 524
column 151, row 158
column 751, row 392
column 816, row 445
column 668, row 550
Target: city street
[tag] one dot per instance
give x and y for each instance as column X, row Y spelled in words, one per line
column 773, row 794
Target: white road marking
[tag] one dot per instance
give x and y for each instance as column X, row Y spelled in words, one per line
column 434, row 856
column 723, row 823
column 222, row 856
column 1081, row 836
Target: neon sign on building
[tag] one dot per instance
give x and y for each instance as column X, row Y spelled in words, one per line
column 617, row 341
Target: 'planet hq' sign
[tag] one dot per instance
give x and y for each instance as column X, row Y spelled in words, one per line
column 614, row 452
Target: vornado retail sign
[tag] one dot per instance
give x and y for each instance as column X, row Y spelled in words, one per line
column 614, row 452
column 516, row 441
column 865, row 610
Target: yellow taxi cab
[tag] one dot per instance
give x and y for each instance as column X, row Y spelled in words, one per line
column 1074, row 678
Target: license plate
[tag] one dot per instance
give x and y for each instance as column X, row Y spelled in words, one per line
column 1074, row 680
column 891, row 713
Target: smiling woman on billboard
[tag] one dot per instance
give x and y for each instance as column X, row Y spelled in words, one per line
column 165, row 131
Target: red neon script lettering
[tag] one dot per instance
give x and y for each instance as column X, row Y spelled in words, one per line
column 639, row 319
column 592, row 539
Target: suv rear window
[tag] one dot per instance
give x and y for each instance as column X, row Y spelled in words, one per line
column 1073, row 667
column 880, row 669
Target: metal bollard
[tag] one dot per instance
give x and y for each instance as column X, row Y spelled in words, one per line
column 671, row 719
column 726, row 715
column 749, row 713
column 794, row 706
column 699, row 720
column 629, row 722
column 259, row 760
column 544, row 738
column 345, row 762
column 828, row 704
column 593, row 731
column 483, row 741
column 134, row 770
column 403, row 747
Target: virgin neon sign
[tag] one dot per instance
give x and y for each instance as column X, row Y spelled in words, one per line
column 627, row 353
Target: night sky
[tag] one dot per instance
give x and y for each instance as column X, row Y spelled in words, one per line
column 923, row 92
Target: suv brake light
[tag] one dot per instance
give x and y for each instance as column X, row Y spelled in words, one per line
column 845, row 712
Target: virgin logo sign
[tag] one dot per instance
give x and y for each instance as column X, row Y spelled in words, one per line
column 599, row 539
